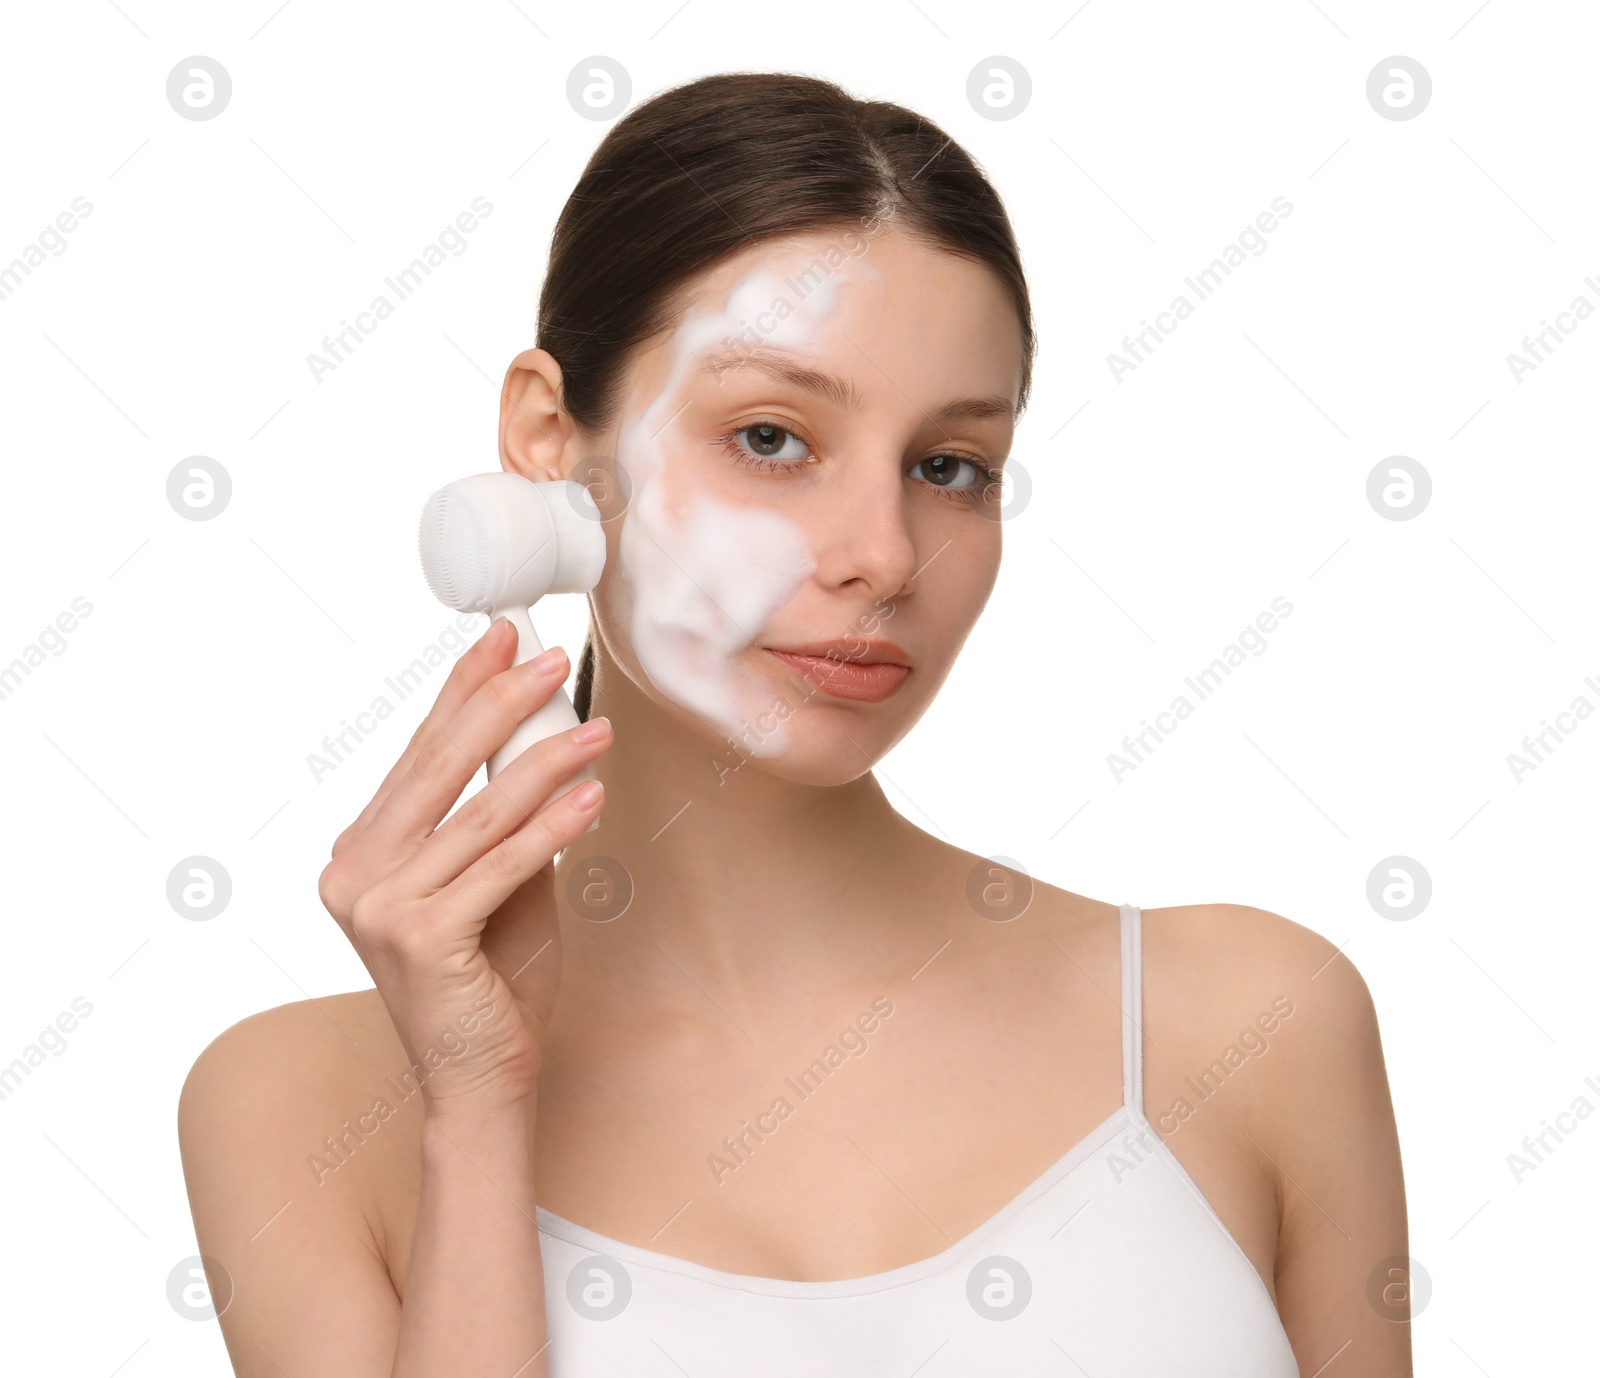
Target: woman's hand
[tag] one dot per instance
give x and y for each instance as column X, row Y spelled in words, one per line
column 456, row 922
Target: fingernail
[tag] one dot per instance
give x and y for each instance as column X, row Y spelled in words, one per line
column 588, row 794
column 592, row 730
column 497, row 631
column 544, row 664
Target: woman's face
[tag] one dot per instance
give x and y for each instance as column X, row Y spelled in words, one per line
column 811, row 455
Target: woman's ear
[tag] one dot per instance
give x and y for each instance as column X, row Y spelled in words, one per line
column 536, row 434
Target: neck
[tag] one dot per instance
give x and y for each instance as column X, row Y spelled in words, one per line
column 749, row 883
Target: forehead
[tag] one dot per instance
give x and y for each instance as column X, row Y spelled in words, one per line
column 901, row 320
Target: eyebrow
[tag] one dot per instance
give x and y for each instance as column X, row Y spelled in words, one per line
column 787, row 368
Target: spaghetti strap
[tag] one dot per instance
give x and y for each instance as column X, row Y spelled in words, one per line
column 1132, row 1011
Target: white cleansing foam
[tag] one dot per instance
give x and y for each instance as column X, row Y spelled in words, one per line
column 705, row 576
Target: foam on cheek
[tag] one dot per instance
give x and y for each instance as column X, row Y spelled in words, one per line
column 706, row 577
column 709, row 581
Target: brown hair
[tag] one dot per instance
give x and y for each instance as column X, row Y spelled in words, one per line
column 704, row 169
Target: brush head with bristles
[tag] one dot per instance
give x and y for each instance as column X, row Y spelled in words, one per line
column 497, row 539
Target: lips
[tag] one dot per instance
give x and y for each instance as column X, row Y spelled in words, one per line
column 866, row 671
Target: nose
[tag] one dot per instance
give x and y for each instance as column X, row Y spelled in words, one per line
column 861, row 531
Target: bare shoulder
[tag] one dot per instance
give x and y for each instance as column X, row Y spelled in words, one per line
column 1240, row 930
column 290, row 1056
column 1271, row 1024
column 266, row 1095
column 295, row 1252
column 1245, row 999
column 285, row 1191
column 1212, row 967
column 305, row 1023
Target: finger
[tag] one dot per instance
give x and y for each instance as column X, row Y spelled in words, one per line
column 485, row 658
column 449, row 758
column 500, row 808
column 491, row 880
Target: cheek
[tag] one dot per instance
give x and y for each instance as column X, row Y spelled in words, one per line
column 700, row 579
column 703, row 579
column 953, row 591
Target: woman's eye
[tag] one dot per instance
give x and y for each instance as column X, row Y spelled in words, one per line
column 771, row 448
column 944, row 471
column 768, row 442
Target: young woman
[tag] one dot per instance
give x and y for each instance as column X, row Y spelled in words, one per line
column 756, row 1077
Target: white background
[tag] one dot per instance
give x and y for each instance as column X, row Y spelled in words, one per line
column 1168, row 509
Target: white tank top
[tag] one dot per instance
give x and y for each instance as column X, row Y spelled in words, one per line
column 1112, row 1263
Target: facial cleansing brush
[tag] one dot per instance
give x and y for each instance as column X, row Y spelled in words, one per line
column 497, row 543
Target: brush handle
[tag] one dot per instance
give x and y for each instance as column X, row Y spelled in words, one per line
column 555, row 715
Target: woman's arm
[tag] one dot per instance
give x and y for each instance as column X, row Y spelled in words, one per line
column 1314, row 1118
column 310, row 1293
column 475, row 1289
column 1343, row 1281
column 448, row 914
column 296, row 1227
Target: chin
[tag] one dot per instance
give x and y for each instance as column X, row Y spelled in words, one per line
column 821, row 741
column 815, row 755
